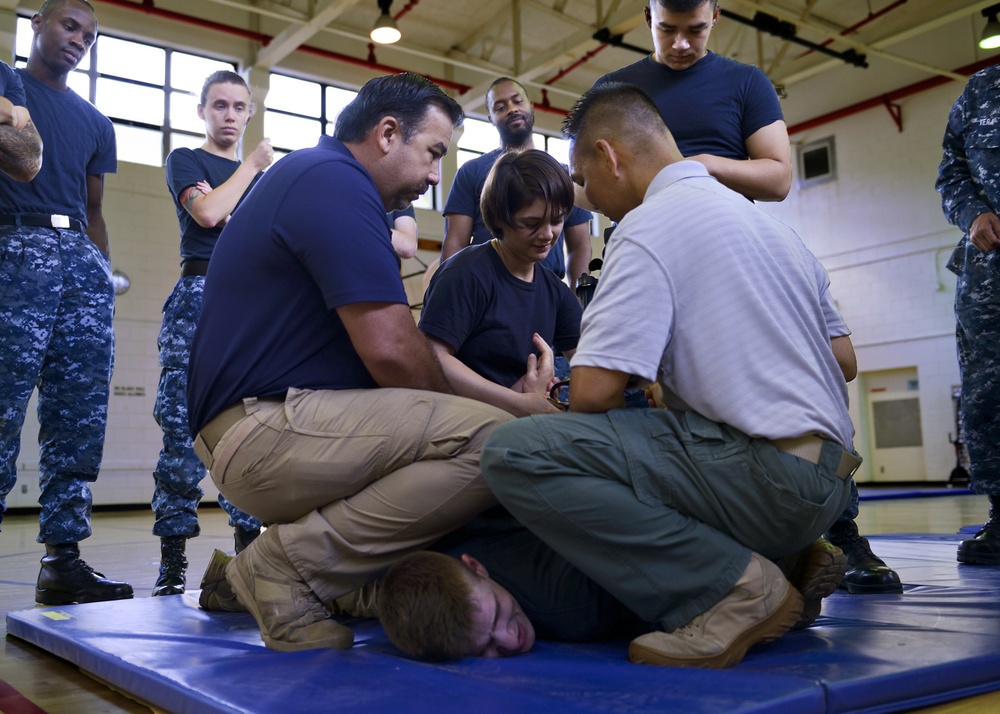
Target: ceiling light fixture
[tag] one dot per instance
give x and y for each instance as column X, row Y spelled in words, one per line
column 991, row 33
column 385, row 31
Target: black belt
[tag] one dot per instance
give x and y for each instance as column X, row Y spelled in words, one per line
column 194, row 267
column 42, row 220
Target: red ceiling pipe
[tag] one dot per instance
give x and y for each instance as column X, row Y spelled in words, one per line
column 147, row 7
column 347, row 59
column 881, row 100
column 409, row 6
column 586, row 58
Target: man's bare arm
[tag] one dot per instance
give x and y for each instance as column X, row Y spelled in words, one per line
column 20, row 144
column 843, row 352
column 595, row 389
column 766, row 175
column 404, row 236
column 578, row 251
column 97, row 230
column 393, row 350
column 457, row 234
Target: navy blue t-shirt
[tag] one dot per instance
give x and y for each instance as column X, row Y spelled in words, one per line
column 562, row 603
column 712, row 107
column 475, row 306
column 311, row 237
column 186, row 167
column 77, row 141
column 11, row 87
column 464, row 196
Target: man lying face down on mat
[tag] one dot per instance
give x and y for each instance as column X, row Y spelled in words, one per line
column 680, row 513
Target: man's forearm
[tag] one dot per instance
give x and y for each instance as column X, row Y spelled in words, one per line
column 97, row 231
column 20, row 151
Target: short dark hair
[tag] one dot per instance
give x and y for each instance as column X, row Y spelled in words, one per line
column 682, row 5
column 425, row 607
column 223, row 76
column 625, row 106
column 518, row 179
column 49, row 5
column 504, row 80
column 404, row 96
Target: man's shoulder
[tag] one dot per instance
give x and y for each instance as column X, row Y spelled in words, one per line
column 985, row 81
column 629, row 73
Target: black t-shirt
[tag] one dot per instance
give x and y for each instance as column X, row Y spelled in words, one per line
column 561, row 602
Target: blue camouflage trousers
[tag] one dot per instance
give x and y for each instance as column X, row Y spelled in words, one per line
column 176, row 492
column 56, row 309
column 977, row 311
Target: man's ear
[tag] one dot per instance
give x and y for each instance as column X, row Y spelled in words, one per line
column 201, row 112
column 386, row 131
column 607, row 154
column 474, row 565
column 649, row 16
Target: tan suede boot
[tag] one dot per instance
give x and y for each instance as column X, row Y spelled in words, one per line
column 290, row 616
column 761, row 607
column 816, row 572
column 216, row 592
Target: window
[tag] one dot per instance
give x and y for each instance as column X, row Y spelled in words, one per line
column 816, row 162
column 149, row 93
column 299, row 111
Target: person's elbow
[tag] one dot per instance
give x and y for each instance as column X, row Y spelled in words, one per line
column 849, row 368
column 778, row 185
column 205, row 217
column 25, row 171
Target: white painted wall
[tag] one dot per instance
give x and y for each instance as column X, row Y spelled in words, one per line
column 880, row 232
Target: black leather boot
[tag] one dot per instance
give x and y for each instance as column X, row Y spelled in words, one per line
column 66, row 579
column 866, row 574
column 244, row 537
column 173, row 567
column 984, row 549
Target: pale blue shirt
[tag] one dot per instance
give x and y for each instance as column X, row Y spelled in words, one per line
column 725, row 306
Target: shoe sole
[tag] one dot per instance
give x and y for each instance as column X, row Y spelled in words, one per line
column 817, row 574
column 341, row 639
column 879, row 589
column 768, row 630
column 978, row 560
column 53, row 597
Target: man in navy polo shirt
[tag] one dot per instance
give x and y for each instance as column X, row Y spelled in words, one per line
column 57, row 302
column 318, row 406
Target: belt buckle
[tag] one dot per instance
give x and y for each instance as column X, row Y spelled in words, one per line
column 59, row 220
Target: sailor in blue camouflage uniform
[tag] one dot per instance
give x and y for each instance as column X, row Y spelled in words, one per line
column 57, row 302
column 206, row 184
column 969, row 183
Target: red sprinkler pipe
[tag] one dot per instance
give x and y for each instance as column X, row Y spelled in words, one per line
column 147, row 7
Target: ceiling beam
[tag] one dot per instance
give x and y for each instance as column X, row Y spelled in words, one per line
column 894, row 39
column 576, row 44
column 294, row 36
column 834, row 34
